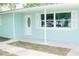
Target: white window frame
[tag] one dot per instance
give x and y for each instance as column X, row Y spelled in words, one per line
column 74, row 15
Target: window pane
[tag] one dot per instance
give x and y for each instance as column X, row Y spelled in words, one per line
column 60, row 16
column 42, row 16
column 48, row 16
column 63, row 24
column 49, row 23
column 63, row 19
column 28, row 22
column 66, row 23
column 58, row 23
column 42, row 23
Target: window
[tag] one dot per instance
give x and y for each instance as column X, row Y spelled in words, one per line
column 49, row 20
column 61, row 19
column 28, row 21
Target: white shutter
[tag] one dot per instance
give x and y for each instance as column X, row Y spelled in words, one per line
column 74, row 20
column 38, row 20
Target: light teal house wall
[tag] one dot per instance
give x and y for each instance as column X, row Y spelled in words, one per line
column 6, row 29
column 19, row 25
column 6, row 25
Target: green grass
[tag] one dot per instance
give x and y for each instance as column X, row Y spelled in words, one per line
column 4, row 53
column 44, row 48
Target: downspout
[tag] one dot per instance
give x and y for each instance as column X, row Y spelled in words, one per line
column 45, row 32
column 13, row 25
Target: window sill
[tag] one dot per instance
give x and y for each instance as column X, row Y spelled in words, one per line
column 69, row 28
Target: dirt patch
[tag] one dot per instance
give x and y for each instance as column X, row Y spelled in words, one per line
column 43, row 48
column 2, row 39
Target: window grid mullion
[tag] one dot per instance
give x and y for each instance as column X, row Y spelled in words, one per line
column 54, row 21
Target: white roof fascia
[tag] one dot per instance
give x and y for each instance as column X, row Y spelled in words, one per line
column 41, row 8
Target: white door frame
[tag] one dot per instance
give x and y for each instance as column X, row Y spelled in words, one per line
column 28, row 29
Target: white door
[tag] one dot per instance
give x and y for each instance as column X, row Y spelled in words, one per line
column 28, row 25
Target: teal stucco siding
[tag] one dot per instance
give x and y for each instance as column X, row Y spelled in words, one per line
column 6, row 29
column 6, row 25
column 37, row 33
column 0, row 25
column 70, row 36
column 19, row 25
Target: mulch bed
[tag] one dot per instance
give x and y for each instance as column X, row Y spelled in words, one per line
column 2, row 39
column 4, row 53
column 44, row 48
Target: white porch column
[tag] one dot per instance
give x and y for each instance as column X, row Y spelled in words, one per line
column 45, row 32
column 54, row 21
column 13, row 25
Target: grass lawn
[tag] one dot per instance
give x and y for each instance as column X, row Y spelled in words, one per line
column 4, row 53
column 44, row 48
column 3, row 39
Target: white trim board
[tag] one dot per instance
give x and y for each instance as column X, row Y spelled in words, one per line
column 50, row 7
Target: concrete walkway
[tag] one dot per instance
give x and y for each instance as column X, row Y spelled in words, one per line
column 21, row 51
column 74, row 51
